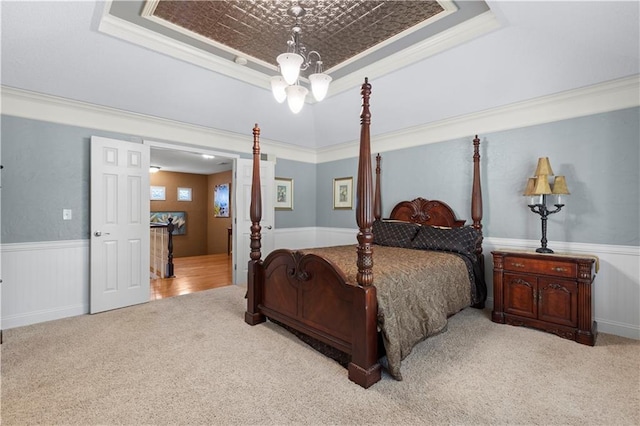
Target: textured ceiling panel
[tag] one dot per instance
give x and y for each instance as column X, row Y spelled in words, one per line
column 338, row 30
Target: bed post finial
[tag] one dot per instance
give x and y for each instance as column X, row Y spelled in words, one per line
column 255, row 209
column 364, row 194
column 377, row 201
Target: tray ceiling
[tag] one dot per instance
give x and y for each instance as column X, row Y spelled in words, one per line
column 339, row 30
column 242, row 39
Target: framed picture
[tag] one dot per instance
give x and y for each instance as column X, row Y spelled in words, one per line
column 284, row 194
column 184, row 194
column 179, row 220
column 221, row 200
column 343, row 193
column 158, row 193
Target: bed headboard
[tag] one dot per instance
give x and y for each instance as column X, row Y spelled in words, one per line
column 435, row 212
column 426, row 212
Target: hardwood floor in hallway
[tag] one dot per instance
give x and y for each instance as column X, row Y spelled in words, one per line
column 194, row 274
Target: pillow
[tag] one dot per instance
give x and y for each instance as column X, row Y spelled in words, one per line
column 459, row 240
column 394, row 233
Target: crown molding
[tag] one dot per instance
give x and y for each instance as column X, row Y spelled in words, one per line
column 609, row 96
column 604, row 97
column 38, row 106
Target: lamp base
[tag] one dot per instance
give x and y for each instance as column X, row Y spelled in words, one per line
column 544, row 250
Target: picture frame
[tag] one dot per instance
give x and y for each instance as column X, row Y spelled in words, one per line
column 157, row 193
column 179, row 220
column 184, row 194
column 221, row 200
column 284, row 194
column 343, row 193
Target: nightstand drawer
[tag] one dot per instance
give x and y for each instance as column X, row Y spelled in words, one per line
column 540, row 266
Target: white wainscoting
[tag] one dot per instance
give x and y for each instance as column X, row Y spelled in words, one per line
column 297, row 238
column 44, row 281
column 50, row 280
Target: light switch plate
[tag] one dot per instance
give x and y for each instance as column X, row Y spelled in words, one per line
column 66, row 214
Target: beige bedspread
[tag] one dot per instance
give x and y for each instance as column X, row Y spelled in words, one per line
column 416, row 289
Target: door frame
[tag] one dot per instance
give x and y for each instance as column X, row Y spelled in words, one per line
column 204, row 150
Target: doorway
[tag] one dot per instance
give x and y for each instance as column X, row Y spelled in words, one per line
column 202, row 256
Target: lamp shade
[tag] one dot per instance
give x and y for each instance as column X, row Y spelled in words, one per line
column 277, row 88
column 320, row 85
column 544, row 167
column 295, row 97
column 560, row 186
column 290, row 66
column 531, row 185
column 542, row 185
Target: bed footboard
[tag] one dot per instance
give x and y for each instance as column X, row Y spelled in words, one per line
column 309, row 294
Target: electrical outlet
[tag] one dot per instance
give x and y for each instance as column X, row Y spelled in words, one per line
column 66, row 214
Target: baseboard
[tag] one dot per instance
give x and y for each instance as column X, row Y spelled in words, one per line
column 36, row 317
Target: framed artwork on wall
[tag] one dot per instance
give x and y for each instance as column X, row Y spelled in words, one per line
column 343, row 193
column 158, row 193
column 184, row 194
column 179, row 220
column 221, row 200
column 284, row 194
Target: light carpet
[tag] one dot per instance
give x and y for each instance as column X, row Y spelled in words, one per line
column 193, row 360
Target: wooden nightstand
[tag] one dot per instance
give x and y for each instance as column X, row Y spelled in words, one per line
column 550, row 292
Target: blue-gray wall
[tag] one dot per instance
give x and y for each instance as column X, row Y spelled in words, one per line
column 598, row 154
column 46, row 169
column 304, row 194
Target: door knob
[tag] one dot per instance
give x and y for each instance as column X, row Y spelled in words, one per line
column 268, row 226
column 97, row 233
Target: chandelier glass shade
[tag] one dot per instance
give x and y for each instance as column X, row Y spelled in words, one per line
column 278, row 86
column 296, row 59
column 296, row 95
column 290, row 66
column 319, row 85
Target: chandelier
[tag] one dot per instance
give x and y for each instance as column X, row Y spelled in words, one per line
column 287, row 85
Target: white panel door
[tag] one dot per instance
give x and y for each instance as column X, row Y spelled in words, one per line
column 242, row 231
column 119, row 224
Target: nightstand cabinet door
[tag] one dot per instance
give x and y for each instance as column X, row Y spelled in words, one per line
column 520, row 295
column 558, row 301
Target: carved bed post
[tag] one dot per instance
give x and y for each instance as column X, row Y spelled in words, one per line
column 255, row 209
column 252, row 316
column 476, row 194
column 476, row 200
column 377, row 202
column 364, row 194
column 364, row 368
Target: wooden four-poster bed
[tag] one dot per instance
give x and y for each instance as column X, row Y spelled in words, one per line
column 423, row 254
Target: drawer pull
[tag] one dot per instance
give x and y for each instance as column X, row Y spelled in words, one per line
column 559, row 269
column 517, row 265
